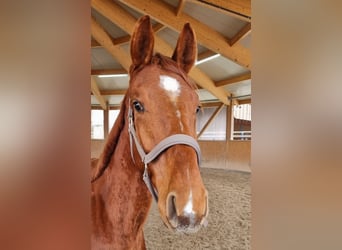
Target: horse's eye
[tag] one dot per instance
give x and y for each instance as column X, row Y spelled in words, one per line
column 198, row 109
column 138, row 106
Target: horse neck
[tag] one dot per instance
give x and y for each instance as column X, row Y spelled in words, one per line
column 121, row 198
column 124, row 180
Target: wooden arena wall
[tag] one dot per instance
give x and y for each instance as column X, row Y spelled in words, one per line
column 228, row 154
column 232, row 155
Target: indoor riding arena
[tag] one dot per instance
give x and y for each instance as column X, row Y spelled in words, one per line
column 222, row 77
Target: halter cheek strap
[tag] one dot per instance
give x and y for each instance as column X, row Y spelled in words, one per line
column 157, row 150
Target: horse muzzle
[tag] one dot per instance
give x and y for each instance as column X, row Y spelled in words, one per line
column 189, row 220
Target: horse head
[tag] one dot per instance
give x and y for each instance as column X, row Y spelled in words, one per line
column 163, row 102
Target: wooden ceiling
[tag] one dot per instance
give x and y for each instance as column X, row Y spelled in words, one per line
column 223, row 34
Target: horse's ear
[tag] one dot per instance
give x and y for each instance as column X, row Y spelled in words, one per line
column 142, row 42
column 186, row 50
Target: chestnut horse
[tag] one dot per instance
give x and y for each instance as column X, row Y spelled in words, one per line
column 157, row 116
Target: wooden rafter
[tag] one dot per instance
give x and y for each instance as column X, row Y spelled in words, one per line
column 97, row 72
column 208, row 37
column 122, row 40
column 206, row 125
column 205, row 54
column 241, row 34
column 237, row 8
column 233, row 79
column 96, row 92
column 180, row 7
column 126, row 21
column 125, row 39
column 210, row 104
column 95, row 44
column 114, row 92
column 105, row 121
column 245, row 101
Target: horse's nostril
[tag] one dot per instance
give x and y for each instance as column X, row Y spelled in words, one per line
column 171, row 210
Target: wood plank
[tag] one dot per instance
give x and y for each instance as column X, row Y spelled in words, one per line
column 180, row 7
column 126, row 21
column 158, row 27
column 114, row 92
column 245, row 101
column 211, row 119
column 122, row 40
column 126, row 39
column 228, row 124
column 208, row 37
column 108, row 71
column 205, row 54
column 241, row 34
column 210, row 104
column 110, row 107
column 96, row 92
column 233, row 79
column 95, row 44
column 106, row 121
column 205, row 82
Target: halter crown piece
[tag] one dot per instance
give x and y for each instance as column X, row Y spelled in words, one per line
column 157, row 150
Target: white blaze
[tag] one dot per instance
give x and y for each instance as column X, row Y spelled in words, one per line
column 178, row 114
column 171, row 85
column 188, row 206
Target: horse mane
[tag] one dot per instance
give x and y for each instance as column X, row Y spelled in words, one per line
column 111, row 142
column 165, row 63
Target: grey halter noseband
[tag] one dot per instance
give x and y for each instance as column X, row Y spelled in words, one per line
column 157, row 150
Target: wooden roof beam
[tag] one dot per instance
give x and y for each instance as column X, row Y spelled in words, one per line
column 114, row 92
column 126, row 39
column 205, row 54
column 94, row 43
column 205, row 104
column 126, row 21
column 233, row 79
column 245, row 101
column 180, row 7
column 97, row 72
column 241, row 34
column 213, row 40
column 96, row 92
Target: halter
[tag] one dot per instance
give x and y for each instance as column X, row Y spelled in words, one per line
column 157, row 150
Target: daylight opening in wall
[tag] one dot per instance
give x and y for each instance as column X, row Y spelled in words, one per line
column 241, row 122
column 216, row 131
column 113, row 114
column 97, row 129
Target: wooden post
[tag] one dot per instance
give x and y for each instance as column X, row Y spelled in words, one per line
column 106, row 122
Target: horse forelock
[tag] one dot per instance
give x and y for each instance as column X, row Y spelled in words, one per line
column 165, row 63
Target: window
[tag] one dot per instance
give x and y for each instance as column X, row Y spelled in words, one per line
column 216, row 131
column 113, row 114
column 97, row 130
column 241, row 122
